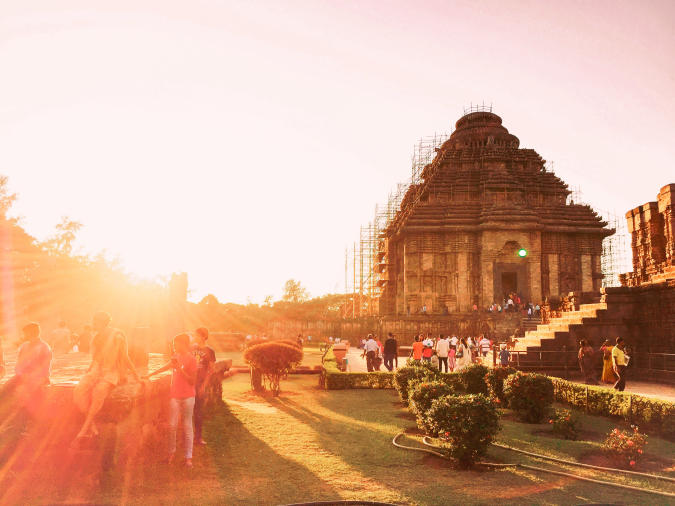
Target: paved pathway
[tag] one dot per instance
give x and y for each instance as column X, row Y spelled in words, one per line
column 655, row 390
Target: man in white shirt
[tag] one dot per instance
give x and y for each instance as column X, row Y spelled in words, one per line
column 370, row 350
column 442, row 350
column 484, row 344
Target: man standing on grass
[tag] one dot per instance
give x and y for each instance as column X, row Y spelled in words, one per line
column 619, row 363
column 370, row 350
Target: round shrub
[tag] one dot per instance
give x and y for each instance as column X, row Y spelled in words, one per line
column 273, row 361
column 473, row 378
column 625, row 447
column 411, row 372
column 422, row 394
column 529, row 395
column 565, row 424
column 495, row 383
column 466, row 425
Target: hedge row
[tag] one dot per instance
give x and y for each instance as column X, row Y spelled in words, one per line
column 334, row 379
column 650, row 413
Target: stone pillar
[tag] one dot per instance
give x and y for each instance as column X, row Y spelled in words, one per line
column 586, row 273
column 488, row 286
column 463, row 282
column 554, row 274
column 534, row 273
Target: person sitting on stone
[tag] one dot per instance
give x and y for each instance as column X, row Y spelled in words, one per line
column 109, row 367
column 31, row 374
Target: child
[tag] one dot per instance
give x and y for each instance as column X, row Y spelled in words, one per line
column 504, row 355
column 182, row 401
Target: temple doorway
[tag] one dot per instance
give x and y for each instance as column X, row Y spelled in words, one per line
column 510, row 282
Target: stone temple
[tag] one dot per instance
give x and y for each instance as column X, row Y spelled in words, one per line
column 487, row 219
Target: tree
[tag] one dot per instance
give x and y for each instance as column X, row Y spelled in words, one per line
column 6, row 199
column 61, row 243
column 294, row 292
column 209, row 300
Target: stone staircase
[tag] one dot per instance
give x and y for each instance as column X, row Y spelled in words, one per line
column 556, row 333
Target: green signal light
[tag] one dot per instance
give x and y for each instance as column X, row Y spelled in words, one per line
column 522, row 252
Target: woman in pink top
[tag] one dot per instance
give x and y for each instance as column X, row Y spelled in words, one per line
column 182, row 402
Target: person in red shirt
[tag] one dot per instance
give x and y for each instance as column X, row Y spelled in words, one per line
column 184, row 376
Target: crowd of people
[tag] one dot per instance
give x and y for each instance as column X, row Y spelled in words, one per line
column 191, row 364
column 446, row 353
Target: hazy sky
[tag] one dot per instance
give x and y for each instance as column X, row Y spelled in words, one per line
column 245, row 142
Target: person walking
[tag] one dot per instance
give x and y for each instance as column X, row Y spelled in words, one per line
column 587, row 363
column 504, row 355
column 417, row 348
column 182, row 393
column 390, row 352
column 370, row 350
column 608, row 375
column 443, row 350
column 619, row 364
column 485, row 345
column 463, row 355
column 428, row 349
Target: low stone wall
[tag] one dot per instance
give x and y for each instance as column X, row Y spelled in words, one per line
column 132, row 423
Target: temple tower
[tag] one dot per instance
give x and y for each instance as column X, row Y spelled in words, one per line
column 487, row 219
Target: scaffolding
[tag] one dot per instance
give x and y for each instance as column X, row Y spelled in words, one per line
column 363, row 285
column 614, row 260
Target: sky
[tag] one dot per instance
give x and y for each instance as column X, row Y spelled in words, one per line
column 245, row 142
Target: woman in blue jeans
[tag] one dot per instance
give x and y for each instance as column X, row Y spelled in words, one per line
column 182, row 403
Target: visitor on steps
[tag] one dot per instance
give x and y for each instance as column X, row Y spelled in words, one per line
column 182, row 402
column 390, row 352
column 206, row 359
column 370, row 350
column 619, row 363
column 109, row 367
column 443, row 350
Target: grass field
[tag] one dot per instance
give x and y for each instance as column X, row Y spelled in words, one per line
column 311, row 445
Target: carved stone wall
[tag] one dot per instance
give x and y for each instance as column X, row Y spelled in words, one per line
column 652, row 229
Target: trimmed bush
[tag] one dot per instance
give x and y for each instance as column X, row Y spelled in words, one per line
column 565, row 424
column 495, row 383
column 334, row 379
column 273, row 360
column 422, row 394
column 656, row 414
column 625, row 447
column 410, row 373
column 529, row 395
column 473, row 378
column 466, row 425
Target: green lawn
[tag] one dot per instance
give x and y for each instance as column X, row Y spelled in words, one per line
column 312, row 357
column 311, row 445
